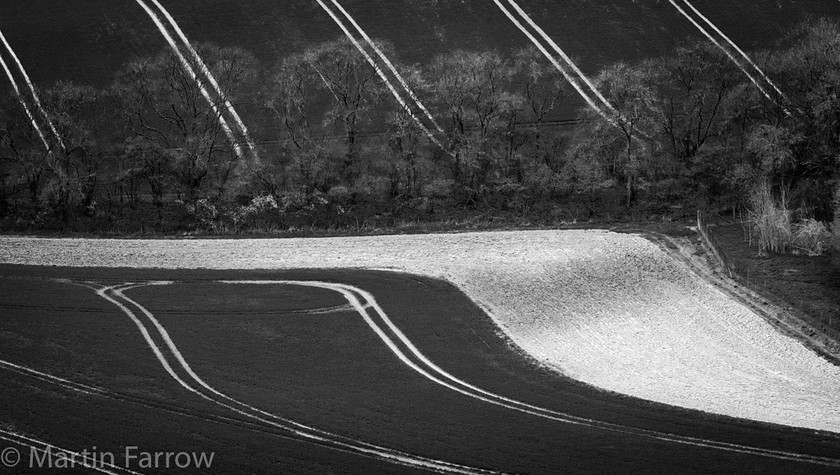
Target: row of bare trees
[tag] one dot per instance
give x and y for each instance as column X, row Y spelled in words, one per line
column 694, row 115
column 691, row 126
column 477, row 97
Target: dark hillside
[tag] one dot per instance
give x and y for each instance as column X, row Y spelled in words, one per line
column 87, row 40
column 682, row 128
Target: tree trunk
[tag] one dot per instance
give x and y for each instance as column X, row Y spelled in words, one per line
column 630, row 170
column 34, row 188
column 350, row 154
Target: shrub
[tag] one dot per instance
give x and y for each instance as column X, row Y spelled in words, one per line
column 770, row 220
column 835, row 225
column 811, row 237
column 204, row 213
column 293, row 200
column 438, row 188
column 259, row 205
column 339, row 194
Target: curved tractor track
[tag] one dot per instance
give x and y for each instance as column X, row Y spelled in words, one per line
column 177, row 367
column 365, row 305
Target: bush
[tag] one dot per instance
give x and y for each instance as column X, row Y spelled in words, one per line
column 835, row 226
column 438, row 188
column 339, row 194
column 811, row 237
column 770, row 220
column 261, row 213
column 204, row 213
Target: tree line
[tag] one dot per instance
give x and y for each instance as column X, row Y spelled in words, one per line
column 149, row 152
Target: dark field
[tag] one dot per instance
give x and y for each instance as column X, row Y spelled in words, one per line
column 301, row 354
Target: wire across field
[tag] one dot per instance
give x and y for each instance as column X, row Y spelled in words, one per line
column 335, row 374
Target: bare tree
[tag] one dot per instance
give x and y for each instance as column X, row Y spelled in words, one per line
column 407, row 142
column 292, row 98
column 474, row 90
column 341, row 73
column 165, row 109
column 700, row 90
column 543, row 89
column 24, row 160
column 808, row 67
column 631, row 93
column 81, row 117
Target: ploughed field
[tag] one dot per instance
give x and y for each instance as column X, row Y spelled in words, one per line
column 341, row 369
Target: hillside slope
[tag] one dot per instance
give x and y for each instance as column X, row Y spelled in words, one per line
column 87, row 40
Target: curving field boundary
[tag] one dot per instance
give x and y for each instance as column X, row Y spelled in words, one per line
column 612, row 310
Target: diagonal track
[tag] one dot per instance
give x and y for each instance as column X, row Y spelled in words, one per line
column 389, row 65
column 26, row 109
column 32, row 91
column 737, row 48
column 725, row 50
column 173, row 408
column 80, row 459
column 574, row 81
column 382, row 76
column 188, row 68
column 210, row 78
